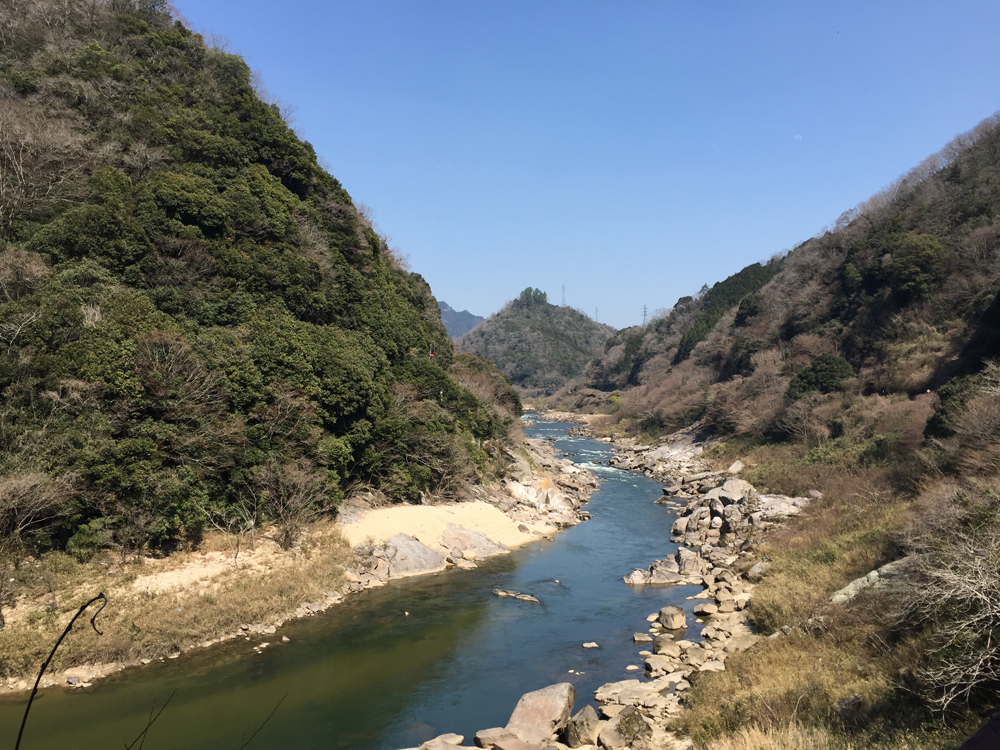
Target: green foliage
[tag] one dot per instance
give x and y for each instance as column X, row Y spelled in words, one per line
column 722, row 297
column 826, row 373
column 531, row 297
column 535, row 344
column 749, row 307
column 209, row 315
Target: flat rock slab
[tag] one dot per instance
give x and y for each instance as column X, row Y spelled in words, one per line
column 407, row 557
column 456, row 536
column 541, row 713
column 487, row 738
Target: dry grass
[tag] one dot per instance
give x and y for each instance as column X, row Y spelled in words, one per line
column 137, row 624
column 792, row 737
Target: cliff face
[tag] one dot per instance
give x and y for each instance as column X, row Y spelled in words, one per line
column 193, row 311
column 537, row 345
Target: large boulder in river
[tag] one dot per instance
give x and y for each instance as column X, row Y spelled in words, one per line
column 637, row 577
column 539, row 714
column 673, row 618
column 467, row 540
column 583, row 728
column 407, row 556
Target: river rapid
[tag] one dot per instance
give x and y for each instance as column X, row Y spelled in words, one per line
column 395, row 666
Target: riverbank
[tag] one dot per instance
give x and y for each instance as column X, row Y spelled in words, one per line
column 164, row 607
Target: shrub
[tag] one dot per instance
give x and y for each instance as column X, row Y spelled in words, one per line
column 826, row 373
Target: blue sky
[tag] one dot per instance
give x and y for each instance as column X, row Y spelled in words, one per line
column 628, row 150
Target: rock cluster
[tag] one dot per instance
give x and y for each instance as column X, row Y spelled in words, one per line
column 544, row 720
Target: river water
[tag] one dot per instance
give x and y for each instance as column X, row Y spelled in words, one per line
column 398, row 665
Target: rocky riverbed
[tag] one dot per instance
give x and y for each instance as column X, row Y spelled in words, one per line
column 720, row 521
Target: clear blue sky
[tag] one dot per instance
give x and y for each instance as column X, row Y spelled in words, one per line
column 628, row 150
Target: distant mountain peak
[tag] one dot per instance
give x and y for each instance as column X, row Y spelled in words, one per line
column 456, row 322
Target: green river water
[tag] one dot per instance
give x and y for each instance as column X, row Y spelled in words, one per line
column 368, row 675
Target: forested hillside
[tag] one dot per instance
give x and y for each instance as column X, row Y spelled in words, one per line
column 864, row 371
column 194, row 316
column 672, row 337
column 537, row 345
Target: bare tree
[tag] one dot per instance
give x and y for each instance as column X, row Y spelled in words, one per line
column 236, row 521
column 290, row 495
column 956, row 591
column 15, row 325
column 30, row 504
column 39, row 156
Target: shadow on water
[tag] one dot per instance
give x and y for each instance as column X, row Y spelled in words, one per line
column 368, row 675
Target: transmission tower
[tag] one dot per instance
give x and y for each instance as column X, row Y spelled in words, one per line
column 645, row 315
column 596, row 319
column 564, row 296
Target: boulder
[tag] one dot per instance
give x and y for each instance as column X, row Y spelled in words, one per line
column 712, row 665
column 705, row 609
column 583, row 728
column 738, row 489
column 407, row 557
column 680, row 525
column 664, row 646
column 757, row 572
column 659, row 663
column 642, row 638
column 637, row 577
column 487, row 738
column 521, row 469
column 661, row 574
column 735, row 468
column 689, row 563
column 673, row 618
column 513, row 743
column 444, row 742
column 543, row 712
column 625, row 729
column 461, row 538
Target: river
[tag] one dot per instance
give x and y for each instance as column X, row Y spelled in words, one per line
column 395, row 666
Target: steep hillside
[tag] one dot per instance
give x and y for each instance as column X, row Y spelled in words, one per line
column 670, row 338
column 458, row 323
column 194, row 315
column 537, row 345
column 865, row 372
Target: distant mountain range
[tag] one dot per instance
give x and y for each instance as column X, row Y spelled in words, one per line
column 458, row 323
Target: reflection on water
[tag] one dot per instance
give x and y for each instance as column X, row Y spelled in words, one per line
column 367, row 675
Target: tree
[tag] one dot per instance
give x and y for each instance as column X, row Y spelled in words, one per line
column 39, row 155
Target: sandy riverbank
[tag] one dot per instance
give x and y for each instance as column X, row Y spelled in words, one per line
column 428, row 523
column 163, row 608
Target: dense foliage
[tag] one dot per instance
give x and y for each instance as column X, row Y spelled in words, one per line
column 537, row 345
column 193, row 313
